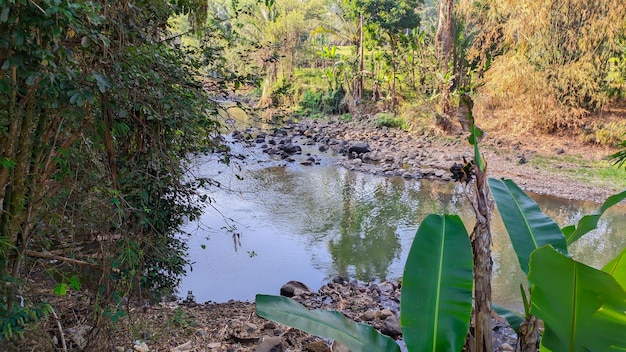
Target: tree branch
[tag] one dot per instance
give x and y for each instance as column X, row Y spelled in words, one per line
column 62, row 259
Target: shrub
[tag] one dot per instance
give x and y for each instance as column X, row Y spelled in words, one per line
column 389, row 120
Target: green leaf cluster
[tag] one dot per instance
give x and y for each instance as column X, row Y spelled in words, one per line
column 101, row 114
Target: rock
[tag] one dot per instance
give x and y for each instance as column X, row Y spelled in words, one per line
column 359, row 148
column 291, row 148
column 201, row 333
column 269, row 344
column 522, row 159
column 79, row 335
column 270, row 325
column 190, row 300
column 213, row 345
column 339, row 347
column 338, row 279
column 294, row 288
column 142, row 347
column 250, row 327
column 391, row 326
column 385, row 313
column 439, row 173
column 506, row 347
column 317, row 346
column 369, row 314
column 182, row 348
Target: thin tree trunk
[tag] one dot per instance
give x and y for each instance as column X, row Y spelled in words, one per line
column 393, row 72
column 444, row 52
column 361, row 58
column 481, row 245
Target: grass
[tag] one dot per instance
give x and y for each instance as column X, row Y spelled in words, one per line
column 389, row 120
column 596, row 173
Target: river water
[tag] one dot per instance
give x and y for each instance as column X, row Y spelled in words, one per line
column 270, row 222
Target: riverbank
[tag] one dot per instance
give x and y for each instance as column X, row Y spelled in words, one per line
column 234, row 326
column 547, row 165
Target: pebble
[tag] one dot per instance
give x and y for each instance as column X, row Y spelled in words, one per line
column 370, row 314
column 250, row 327
column 182, row 348
column 142, row 347
column 391, row 326
column 339, row 347
column 269, row 344
column 317, row 346
column 385, row 313
column 506, row 347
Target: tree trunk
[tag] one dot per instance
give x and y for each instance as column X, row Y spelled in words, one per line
column 481, row 245
column 444, row 52
column 361, row 59
column 393, row 72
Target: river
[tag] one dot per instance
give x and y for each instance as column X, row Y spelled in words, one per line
column 270, row 222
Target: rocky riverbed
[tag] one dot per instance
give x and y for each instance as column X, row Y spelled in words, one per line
column 360, row 146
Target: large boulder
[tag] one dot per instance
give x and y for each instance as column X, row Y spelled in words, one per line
column 294, row 288
column 292, row 148
column 359, row 148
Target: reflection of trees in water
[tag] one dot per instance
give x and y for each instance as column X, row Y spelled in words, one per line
column 360, row 216
column 368, row 241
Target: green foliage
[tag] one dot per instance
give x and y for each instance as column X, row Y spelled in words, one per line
column 617, row 268
column 582, row 307
column 526, row 224
column 619, row 158
column 20, row 319
column 61, row 288
column 437, row 286
column 333, row 103
column 331, row 324
column 102, row 113
column 317, row 101
column 590, row 222
column 346, row 117
column 609, row 134
column 311, row 101
column 389, row 120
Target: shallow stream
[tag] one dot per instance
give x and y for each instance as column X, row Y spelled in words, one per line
column 271, row 222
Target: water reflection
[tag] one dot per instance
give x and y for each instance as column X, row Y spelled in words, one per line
column 311, row 223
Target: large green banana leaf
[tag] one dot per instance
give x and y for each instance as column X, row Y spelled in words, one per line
column 528, row 227
column 590, row 222
column 330, row 324
column 617, row 268
column 436, row 302
column 583, row 309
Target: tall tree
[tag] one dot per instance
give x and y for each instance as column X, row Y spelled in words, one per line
column 386, row 21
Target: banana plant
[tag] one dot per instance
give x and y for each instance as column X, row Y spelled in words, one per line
column 583, row 309
column 436, row 300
